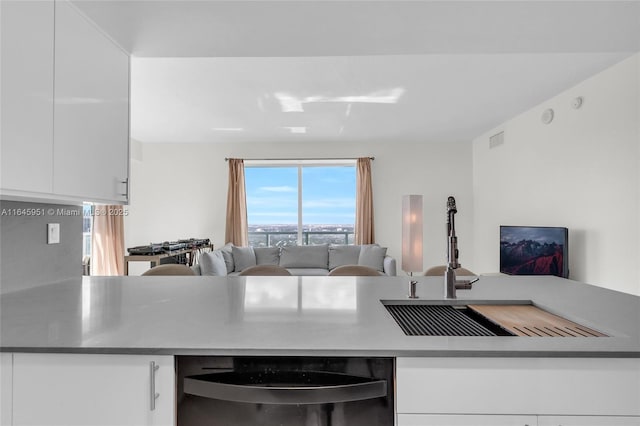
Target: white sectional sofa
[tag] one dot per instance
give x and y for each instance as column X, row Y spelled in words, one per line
column 298, row 260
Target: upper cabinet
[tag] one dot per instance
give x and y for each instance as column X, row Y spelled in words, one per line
column 26, row 128
column 91, row 119
column 65, row 106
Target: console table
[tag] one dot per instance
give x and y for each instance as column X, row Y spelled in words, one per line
column 155, row 258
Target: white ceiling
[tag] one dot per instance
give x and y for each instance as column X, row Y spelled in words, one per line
column 264, row 71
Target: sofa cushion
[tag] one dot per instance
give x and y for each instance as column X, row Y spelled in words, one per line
column 372, row 255
column 305, row 256
column 340, row 255
column 243, row 257
column 267, row 255
column 308, row 271
column 212, row 264
column 227, row 254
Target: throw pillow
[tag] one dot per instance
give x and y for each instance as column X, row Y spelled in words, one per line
column 340, row 255
column 372, row 255
column 305, row 256
column 243, row 257
column 267, row 255
column 212, row 264
column 228, row 257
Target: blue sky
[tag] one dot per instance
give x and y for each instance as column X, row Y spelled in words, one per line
column 328, row 195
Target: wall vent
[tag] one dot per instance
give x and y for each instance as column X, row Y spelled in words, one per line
column 496, row 140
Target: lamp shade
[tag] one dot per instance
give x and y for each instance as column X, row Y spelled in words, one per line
column 412, row 233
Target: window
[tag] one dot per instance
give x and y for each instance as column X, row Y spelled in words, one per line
column 300, row 202
column 87, row 229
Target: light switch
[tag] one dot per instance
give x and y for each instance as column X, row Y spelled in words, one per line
column 53, row 233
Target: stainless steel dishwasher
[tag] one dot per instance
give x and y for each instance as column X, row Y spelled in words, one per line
column 288, row 391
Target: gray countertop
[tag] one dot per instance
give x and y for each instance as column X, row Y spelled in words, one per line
column 295, row 316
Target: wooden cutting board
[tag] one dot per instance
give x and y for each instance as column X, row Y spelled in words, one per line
column 528, row 320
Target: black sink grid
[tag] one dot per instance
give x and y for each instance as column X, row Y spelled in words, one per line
column 442, row 320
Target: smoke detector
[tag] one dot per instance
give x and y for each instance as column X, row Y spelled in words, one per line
column 547, row 116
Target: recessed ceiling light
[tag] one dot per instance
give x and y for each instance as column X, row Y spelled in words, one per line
column 228, row 129
column 296, row 129
column 291, row 103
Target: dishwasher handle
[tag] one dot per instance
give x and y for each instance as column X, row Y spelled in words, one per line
column 285, row 387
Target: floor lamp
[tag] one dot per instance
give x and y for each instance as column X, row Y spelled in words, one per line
column 412, row 238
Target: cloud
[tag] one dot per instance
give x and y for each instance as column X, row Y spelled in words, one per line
column 283, row 188
column 275, row 214
column 331, row 216
column 259, row 203
column 330, row 203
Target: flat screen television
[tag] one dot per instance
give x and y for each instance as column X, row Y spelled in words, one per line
column 534, row 250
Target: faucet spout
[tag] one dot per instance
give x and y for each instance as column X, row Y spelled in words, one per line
column 451, row 284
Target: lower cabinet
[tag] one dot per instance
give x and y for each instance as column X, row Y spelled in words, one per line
column 486, row 420
column 588, row 420
column 518, row 391
column 6, row 391
column 464, row 420
column 88, row 390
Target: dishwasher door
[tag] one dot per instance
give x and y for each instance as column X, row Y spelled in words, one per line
column 305, row 391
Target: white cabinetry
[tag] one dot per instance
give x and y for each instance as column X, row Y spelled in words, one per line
column 6, row 388
column 88, row 390
column 588, row 421
column 65, row 106
column 91, row 126
column 579, row 388
column 26, row 125
column 464, row 420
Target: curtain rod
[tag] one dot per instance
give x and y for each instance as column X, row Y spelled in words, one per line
column 298, row 159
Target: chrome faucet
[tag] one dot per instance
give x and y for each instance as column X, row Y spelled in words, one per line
column 451, row 284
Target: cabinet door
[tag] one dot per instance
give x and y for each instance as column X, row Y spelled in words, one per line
column 91, row 131
column 26, row 127
column 452, row 420
column 588, row 421
column 6, row 388
column 558, row 386
column 91, row 390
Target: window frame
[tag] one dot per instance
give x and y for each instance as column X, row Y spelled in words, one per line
column 300, row 164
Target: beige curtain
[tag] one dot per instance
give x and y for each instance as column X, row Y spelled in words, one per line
column 364, row 203
column 107, row 241
column 236, row 231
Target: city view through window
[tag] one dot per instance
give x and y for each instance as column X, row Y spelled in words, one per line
column 300, row 204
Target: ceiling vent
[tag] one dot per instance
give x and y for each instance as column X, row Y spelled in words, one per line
column 496, row 140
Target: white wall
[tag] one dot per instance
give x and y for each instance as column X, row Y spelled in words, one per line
column 580, row 171
column 26, row 260
column 180, row 190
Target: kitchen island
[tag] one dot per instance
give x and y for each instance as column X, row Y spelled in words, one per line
column 113, row 320
column 295, row 316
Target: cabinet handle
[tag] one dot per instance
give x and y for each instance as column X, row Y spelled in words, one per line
column 285, row 387
column 153, row 395
column 126, row 188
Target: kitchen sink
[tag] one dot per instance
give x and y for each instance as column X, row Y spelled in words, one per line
column 441, row 318
column 481, row 318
